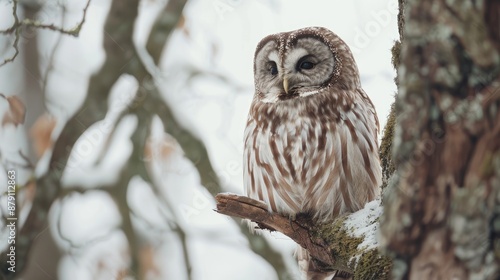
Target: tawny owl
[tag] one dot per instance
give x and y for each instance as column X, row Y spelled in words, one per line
column 311, row 136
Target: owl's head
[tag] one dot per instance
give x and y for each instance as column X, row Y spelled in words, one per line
column 302, row 63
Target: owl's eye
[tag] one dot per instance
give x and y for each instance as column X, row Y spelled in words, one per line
column 305, row 63
column 273, row 68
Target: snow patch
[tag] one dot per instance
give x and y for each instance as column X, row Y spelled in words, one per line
column 364, row 224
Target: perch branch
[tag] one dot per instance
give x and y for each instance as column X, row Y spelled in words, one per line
column 348, row 244
column 256, row 211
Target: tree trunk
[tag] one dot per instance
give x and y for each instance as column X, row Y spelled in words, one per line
column 441, row 205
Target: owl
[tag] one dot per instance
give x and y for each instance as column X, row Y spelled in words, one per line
column 310, row 143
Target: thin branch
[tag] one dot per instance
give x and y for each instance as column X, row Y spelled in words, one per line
column 14, row 28
column 75, row 31
column 16, row 20
column 18, row 25
column 15, row 45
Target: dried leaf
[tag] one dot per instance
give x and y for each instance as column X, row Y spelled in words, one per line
column 159, row 148
column 41, row 133
column 147, row 262
column 181, row 24
column 16, row 113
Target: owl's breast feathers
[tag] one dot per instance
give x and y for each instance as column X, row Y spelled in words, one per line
column 317, row 154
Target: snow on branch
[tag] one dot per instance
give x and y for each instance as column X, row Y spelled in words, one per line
column 348, row 244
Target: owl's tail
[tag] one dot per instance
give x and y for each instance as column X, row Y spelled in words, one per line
column 310, row 272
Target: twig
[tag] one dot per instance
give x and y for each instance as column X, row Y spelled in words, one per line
column 17, row 26
column 16, row 20
column 14, row 28
column 75, row 31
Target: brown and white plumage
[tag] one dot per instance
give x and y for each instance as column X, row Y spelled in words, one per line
column 311, row 135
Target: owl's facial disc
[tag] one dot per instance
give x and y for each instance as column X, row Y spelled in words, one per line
column 302, row 70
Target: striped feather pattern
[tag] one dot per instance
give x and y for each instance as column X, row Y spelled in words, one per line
column 303, row 155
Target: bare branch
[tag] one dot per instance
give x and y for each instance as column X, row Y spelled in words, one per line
column 75, row 31
column 18, row 25
column 16, row 20
column 15, row 45
column 14, row 28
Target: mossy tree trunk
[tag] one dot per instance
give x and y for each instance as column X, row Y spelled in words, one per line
column 441, row 216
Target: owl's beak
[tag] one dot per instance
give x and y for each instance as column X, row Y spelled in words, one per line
column 285, row 84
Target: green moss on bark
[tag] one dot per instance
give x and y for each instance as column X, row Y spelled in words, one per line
column 363, row 264
column 372, row 265
column 385, row 151
column 396, row 55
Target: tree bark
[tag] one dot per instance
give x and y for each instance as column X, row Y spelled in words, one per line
column 442, row 203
